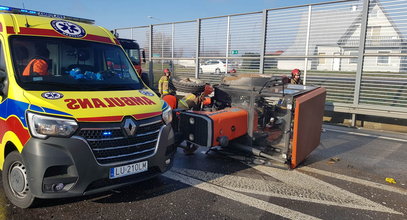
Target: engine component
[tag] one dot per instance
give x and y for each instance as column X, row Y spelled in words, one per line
column 211, row 128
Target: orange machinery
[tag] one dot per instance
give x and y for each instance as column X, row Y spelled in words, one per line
column 273, row 120
column 210, row 129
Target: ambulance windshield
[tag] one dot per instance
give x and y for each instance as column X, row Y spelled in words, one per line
column 43, row 63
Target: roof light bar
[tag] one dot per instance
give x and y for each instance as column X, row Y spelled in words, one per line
column 43, row 14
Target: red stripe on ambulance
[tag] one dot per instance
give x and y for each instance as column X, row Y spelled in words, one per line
column 102, row 119
column 146, row 115
column 119, row 118
column 14, row 125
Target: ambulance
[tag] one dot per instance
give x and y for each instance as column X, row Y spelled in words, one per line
column 75, row 118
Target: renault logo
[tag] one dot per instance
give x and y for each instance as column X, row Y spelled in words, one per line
column 130, row 126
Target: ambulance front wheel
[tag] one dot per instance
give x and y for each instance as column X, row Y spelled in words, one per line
column 15, row 183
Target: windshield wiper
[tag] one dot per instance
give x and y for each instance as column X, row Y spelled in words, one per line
column 80, row 86
column 114, row 87
column 47, row 83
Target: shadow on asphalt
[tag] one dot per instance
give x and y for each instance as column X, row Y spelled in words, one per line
column 220, row 163
column 323, row 152
column 212, row 162
column 133, row 192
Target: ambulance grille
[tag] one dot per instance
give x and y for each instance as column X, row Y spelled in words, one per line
column 112, row 145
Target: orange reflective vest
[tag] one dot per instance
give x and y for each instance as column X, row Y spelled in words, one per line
column 36, row 66
column 171, row 101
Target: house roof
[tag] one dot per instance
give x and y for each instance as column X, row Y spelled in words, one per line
column 382, row 41
column 334, row 27
column 327, row 27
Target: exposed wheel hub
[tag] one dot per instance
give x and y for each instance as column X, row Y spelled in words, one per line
column 18, row 179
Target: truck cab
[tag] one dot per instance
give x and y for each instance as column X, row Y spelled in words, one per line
column 75, row 117
column 132, row 49
column 137, row 57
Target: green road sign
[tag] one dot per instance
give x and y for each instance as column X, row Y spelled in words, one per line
column 234, row 52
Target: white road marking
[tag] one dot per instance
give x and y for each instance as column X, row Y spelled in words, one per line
column 355, row 180
column 288, row 185
column 367, row 135
column 297, row 179
column 229, row 194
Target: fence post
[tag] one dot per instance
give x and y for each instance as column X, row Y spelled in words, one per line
column 150, row 52
column 307, row 43
column 172, row 46
column 263, row 41
column 227, row 44
column 359, row 69
column 198, row 43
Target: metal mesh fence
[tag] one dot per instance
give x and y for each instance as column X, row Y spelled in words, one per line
column 185, row 49
column 384, row 78
column 245, row 43
column 162, row 41
column 358, row 53
column 333, row 38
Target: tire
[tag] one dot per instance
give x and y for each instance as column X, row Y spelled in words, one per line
column 188, row 86
column 246, row 80
column 15, row 184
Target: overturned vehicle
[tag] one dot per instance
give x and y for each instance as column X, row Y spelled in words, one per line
column 260, row 117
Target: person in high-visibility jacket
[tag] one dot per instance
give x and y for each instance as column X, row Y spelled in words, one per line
column 195, row 100
column 38, row 66
column 164, row 83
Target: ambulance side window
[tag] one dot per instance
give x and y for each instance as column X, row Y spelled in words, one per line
column 3, row 74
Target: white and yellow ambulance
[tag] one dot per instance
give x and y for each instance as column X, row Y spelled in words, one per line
column 75, row 118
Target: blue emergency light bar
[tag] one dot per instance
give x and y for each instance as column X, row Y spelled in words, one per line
column 43, row 14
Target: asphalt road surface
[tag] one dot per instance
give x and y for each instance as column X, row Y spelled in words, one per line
column 344, row 178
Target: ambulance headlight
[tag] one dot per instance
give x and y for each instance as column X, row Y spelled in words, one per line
column 167, row 115
column 42, row 126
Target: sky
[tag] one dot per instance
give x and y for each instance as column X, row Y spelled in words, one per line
column 131, row 13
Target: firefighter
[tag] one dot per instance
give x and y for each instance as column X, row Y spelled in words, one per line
column 195, row 100
column 296, row 77
column 38, row 66
column 164, row 83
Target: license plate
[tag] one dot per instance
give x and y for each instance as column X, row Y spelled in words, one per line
column 129, row 169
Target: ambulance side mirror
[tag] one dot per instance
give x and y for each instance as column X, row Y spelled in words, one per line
column 143, row 56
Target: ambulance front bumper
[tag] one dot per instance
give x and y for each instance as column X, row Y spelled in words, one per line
column 67, row 167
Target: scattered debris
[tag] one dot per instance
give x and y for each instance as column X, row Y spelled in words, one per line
column 390, row 180
column 333, row 160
